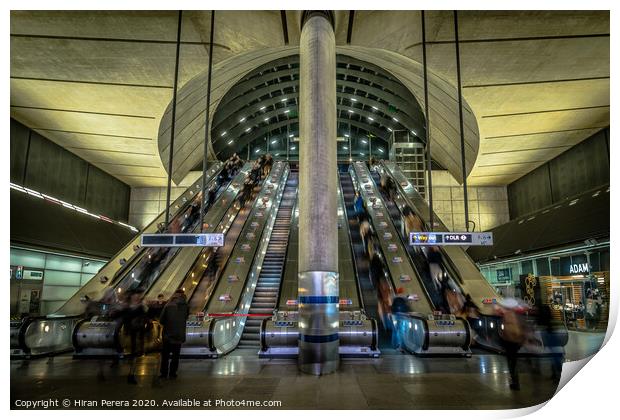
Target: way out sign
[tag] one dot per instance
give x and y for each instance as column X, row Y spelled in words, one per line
column 451, row 238
column 182, row 239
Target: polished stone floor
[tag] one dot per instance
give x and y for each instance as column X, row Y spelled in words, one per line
column 393, row 381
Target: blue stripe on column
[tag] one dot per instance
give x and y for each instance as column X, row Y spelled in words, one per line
column 318, row 299
column 318, row 338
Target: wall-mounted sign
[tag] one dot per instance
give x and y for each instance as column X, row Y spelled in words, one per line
column 20, row 272
column 504, row 275
column 451, row 238
column 182, row 239
column 579, row 268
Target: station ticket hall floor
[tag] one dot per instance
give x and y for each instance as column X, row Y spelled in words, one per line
column 393, row 381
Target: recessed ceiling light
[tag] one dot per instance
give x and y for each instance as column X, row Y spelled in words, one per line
column 248, row 129
column 390, row 130
column 266, row 119
column 345, row 147
column 371, row 119
column 293, row 148
column 230, row 141
column 414, row 133
column 380, row 149
column 262, row 107
column 223, row 134
column 274, row 141
column 283, row 100
column 346, row 135
column 287, row 111
column 375, row 108
column 242, row 119
column 350, row 111
column 291, row 135
column 364, row 141
column 257, row 150
column 394, row 118
column 354, row 100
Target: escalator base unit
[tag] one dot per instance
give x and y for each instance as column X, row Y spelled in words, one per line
column 198, row 339
column 106, row 338
column 433, row 336
column 358, row 335
column 40, row 336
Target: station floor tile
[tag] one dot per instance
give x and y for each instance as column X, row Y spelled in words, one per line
column 393, row 381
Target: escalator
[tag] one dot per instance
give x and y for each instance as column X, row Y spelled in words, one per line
column 367, row 290
column 362, row 265
column 265, row 297
column 227, row 308
column 419, row 329
column 53, row 333
column 101, row 336
column 137, row 279
column 463, row 275
column 357, row 331
column 418, row 259
column 213, row 264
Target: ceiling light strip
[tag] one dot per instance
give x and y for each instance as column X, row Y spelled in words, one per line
column 67, row 205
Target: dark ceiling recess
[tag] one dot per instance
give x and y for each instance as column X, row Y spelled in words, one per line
column 350, row 26
column 260, row 113
column 284, row 26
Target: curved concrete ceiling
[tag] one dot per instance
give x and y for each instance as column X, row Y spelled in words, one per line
column 98, row 82
column 191, row 106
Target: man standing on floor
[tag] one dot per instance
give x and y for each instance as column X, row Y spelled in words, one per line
column 173, row 319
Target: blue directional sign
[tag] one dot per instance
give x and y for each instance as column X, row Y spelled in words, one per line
column 450, row 238
column 182, row 239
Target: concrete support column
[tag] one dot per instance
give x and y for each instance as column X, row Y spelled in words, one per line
column 318, row 198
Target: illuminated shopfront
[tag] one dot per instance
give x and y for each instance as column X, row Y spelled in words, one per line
column 575, row 282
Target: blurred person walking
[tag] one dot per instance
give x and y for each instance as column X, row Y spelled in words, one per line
column 173, row 321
